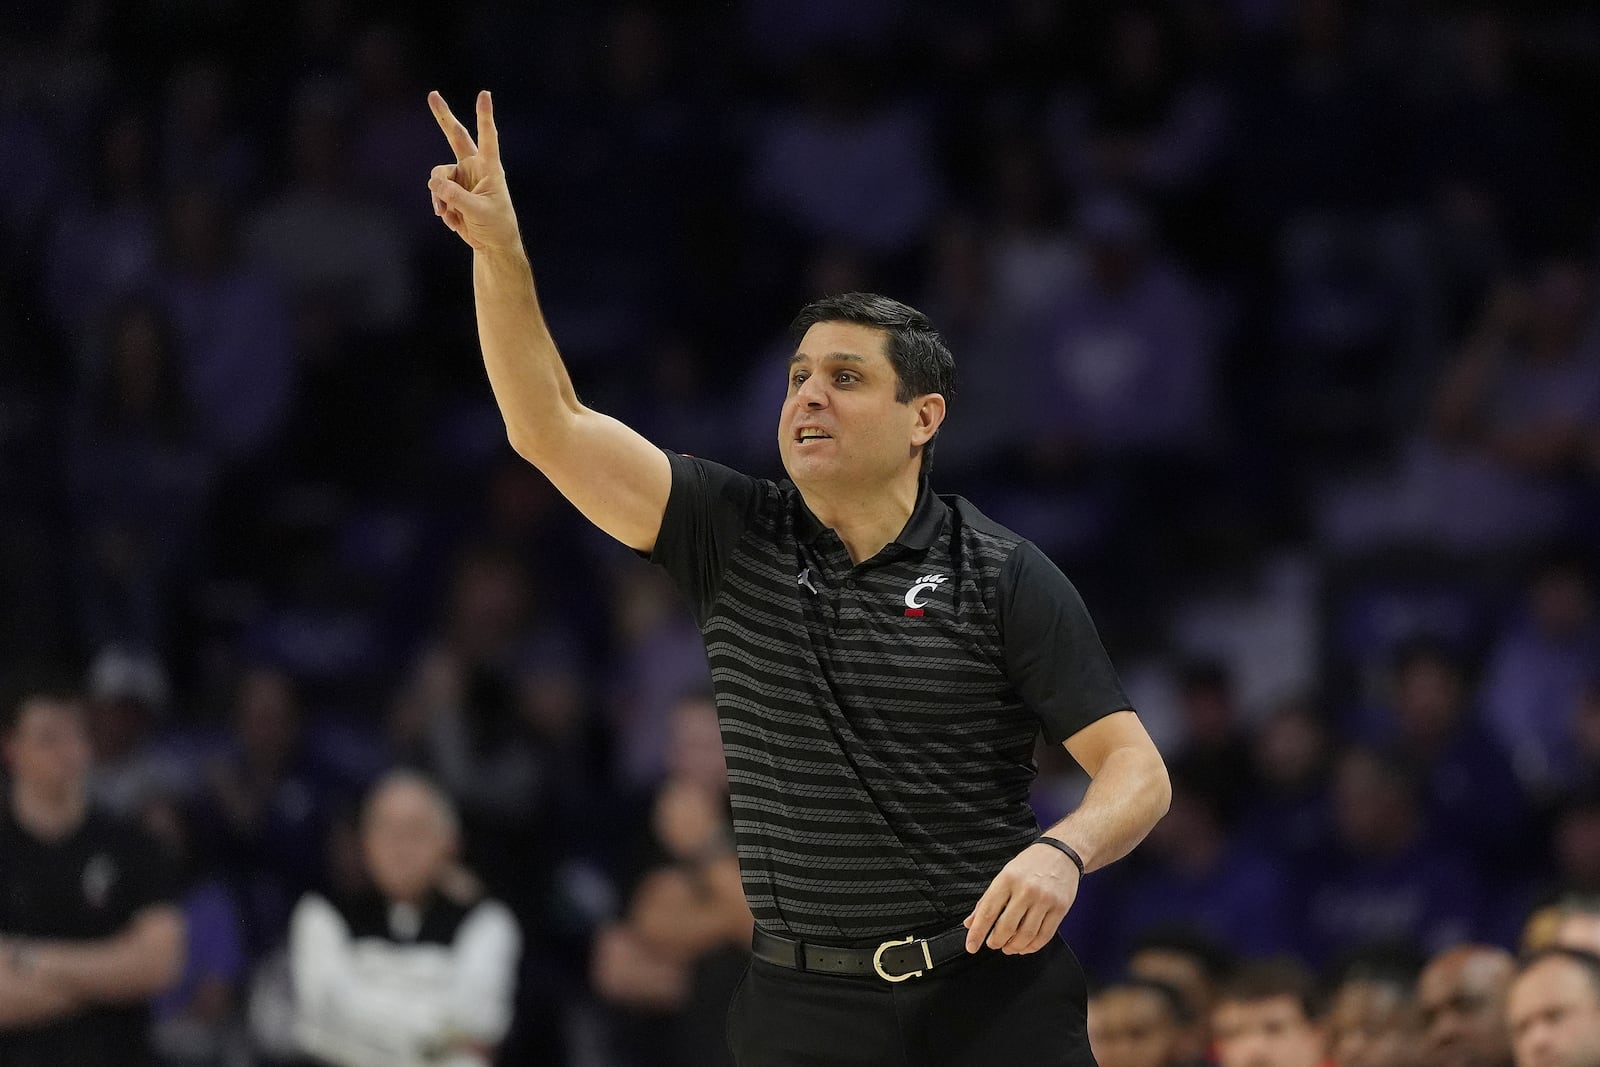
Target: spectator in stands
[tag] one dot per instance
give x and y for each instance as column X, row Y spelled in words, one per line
column 127, row 698
column 667, row 967
column 1535, row 679
column 1553, row 1010
column 1473, row 801
column 1195, row 966
column 1216, row 744
column 262, row 811
column 1461, row 1005
column 418, row 970
column 1138, row 1023
column 1371, row 1017
column 235, row 336
column 1269, row 1015
column 137, row 480
column 1517, row 412
column 89, row 931
column 1384, row 879
column 198, row 1021
column 1287, row 814
column 1194, row 873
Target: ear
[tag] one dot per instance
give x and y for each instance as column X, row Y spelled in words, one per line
column 929, row 411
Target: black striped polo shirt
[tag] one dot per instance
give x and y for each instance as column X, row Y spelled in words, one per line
column 878, row 718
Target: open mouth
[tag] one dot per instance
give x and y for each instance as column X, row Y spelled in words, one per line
column 808, row 434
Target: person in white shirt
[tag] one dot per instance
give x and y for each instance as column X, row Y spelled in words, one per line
column 415, row 971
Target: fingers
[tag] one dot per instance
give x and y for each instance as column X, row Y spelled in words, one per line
column 488, row 136
column 460, row 140
column 1006, row 925
column 983, row 916
column 1027, row 939
column 448, row 198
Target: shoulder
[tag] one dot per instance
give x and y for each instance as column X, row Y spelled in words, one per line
column 979, row 531
column 489, row 918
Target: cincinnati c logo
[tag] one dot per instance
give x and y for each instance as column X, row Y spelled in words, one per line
column 916, row 595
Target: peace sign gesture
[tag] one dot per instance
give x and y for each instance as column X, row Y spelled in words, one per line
column 470, row 194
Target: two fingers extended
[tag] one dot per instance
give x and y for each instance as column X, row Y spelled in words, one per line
column 461, row 142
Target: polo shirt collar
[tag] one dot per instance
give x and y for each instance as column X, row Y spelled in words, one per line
column 919, row 532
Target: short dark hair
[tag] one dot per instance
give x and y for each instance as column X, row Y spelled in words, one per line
column 1389, row 963
column 1172, row 1001
column 1268, row 979
column 922, row 361
column 1212, row 956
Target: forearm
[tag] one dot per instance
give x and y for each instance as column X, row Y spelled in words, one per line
column 131, row 966
column 674, row 916
column 1124, row 800
column 30, row 1000
column 530, row 383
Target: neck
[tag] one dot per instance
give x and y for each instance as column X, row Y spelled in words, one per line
column 46, row 815
column 864, row 521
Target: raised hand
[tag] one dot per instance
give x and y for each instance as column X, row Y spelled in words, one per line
column 471, row 194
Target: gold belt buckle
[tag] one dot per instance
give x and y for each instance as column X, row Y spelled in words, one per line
column 877, row 961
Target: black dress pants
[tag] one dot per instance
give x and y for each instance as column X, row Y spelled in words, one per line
column 993, row 1010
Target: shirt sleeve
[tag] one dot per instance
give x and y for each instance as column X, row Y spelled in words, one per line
column 334, row 1020
column 1054, row 657
column 708, row 509
column 487, row 948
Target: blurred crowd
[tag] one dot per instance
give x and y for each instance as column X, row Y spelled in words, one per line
column 1276, row 327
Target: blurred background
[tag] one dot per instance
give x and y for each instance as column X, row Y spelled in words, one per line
column 1275, row 326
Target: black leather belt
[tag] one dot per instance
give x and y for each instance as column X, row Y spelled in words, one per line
column 893, row 961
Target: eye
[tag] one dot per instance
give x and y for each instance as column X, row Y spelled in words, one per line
column 847, row 377
column 797, row 377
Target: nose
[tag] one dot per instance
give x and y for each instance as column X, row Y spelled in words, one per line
column 811, row 392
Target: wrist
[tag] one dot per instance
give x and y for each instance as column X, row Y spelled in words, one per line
column 1063, row 848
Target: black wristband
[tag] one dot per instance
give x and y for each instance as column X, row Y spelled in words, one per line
column 1062, row 846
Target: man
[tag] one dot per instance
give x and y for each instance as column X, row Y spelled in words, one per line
column 1138, row 1023
column 1194, row 965
column 882, row 659
column 1268, row 1015
column 416, row 971
column 89, row 932
column 1461, row 1004
column 1371, row 1018
column 1553, row 1009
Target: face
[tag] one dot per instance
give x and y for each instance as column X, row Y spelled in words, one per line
column 1554, row 1013
column 1369, row 1025
column 48, row 750
column 1132, row 1027
column 1185, row 974
column 1461, row 1002
column 407, row 841
column 841, row 425
column 1266, row 1033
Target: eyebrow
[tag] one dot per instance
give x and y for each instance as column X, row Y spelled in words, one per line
column 837, row 357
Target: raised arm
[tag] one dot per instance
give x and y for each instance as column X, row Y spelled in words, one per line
column 619, row 480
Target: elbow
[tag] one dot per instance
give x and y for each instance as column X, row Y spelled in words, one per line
column 524, row 444
column 1160, row 788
